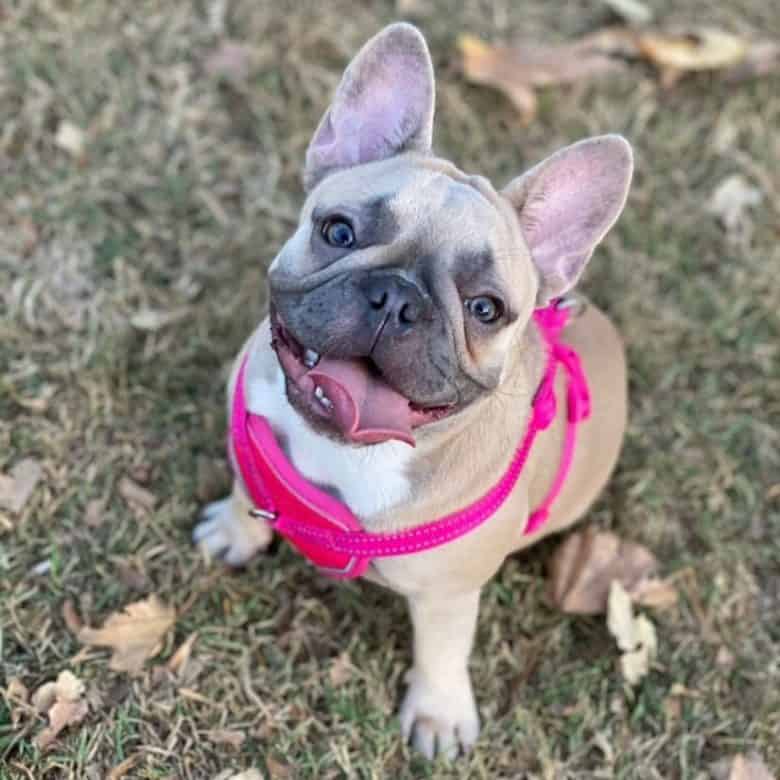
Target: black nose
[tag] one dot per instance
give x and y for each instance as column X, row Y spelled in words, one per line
column 392, row 295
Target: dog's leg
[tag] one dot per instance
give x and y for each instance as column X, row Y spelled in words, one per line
column 227, row 531
column 438, row 711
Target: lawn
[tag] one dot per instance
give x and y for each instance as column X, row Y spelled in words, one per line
column 143, row 194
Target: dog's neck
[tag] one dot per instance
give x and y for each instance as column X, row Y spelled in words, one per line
column 388, row 485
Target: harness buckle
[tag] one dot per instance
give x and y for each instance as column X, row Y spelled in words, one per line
column 263, row 514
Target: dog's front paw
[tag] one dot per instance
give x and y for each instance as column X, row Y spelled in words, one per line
column 227, row 531
column 441, row 719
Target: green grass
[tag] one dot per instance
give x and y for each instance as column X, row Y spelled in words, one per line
column 186, row 190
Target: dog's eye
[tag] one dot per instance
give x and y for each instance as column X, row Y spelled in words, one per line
column 485, row 308
column 339, row 233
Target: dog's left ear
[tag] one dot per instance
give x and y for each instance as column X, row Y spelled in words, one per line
column 567, row 203
column 383, row 106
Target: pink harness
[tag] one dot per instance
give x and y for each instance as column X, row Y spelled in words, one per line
column 325, row 531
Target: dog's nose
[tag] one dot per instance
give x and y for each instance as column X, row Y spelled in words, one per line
column 391, row 295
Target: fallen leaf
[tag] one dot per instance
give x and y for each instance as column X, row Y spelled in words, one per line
column 277, row 770
column 231, row 61
column 133, row 493
column 178, row 661
column 761, row 59
column 120, row 770
column 703, row 48
column 751, row 767
column 226, row 737
column 70, row 138
column 17, row 693
column 341, row 669
column 71, row 617
column 635, row 636
column 517, row 70
column 655, row 593
column 94, row 514
column 152, row 320
column 584, row 565
column 632, row 11
column 134, row 634
column 730, row 201
column 212, row 478
column 63, row 702
column 130, row 574
column 18, row 485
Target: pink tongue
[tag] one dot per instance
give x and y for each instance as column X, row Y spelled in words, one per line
column 366, row 409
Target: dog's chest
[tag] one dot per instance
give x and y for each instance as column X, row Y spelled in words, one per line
column 369, row 480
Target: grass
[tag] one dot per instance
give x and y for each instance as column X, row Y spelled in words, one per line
column 186, row 187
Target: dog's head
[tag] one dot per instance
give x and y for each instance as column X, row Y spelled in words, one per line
column 399, row 297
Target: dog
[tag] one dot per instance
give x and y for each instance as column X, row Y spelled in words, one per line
column 416, row 314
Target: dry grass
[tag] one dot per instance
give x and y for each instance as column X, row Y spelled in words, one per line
column 185, row 189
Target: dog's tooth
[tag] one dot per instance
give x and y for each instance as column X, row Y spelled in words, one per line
column 319, row 394
column 311, row 358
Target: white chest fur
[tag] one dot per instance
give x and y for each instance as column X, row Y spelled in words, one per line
column 369, row 479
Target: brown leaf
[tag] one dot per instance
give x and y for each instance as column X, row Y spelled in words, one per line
column 212, row 478
column 341, row 669
column 18, row 694
column 133, row 493
column 120, row 770
column 226, row 737
column 277, row 770
column 231, row 61
column 517, row 70
column 71, row 617
column 585, row 564
column 762, row 59
column 18, row 485
column 702, row 48
column 178, row 661
column 64, row 703
column 750, row 767
column 94, row 514
column 134, row 634
column 655, row 593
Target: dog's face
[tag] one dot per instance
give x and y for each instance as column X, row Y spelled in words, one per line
column 399, row 297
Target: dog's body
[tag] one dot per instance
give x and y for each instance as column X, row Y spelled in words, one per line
column 438, row 240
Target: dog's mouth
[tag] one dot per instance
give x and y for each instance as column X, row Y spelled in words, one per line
column 350, row 394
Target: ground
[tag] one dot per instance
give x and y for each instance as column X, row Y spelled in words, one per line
column 185, row 187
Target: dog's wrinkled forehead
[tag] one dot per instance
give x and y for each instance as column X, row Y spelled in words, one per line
column 418, row 208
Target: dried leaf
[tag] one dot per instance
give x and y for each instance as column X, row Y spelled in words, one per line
column 731, row 199
column 152, row 320
column 632, row 11
column 762, row 59
column 212, row 478
column 94, row 514
column 133, row 493
column 178, row 661
column 231, row 61
column 71, row 617
column 17, row 691
column 655, row 593
column 120, row 770
column 226, row 737
column 636, row 637
column 277, row 770
column 134, row 634
column 751, row 767
column 70, row 138
column 519, row 69
column 695, row 49
column 18, row 485
column 341, row 669
column 584, row 565
column 64, row 703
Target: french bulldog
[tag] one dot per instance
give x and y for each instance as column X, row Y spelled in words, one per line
column 407, row 292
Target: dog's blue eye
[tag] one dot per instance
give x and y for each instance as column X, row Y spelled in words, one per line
column 485, row 308
column 338, row 233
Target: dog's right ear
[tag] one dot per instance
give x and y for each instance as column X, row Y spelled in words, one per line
column 383, row 106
